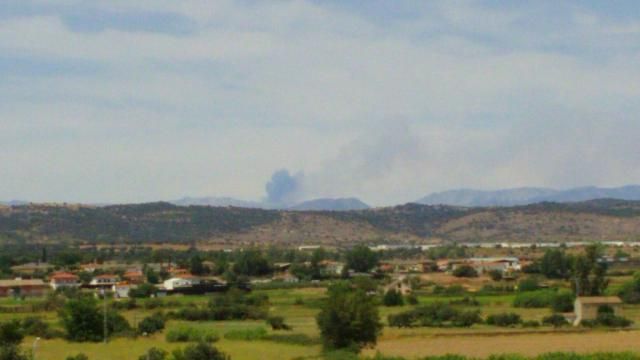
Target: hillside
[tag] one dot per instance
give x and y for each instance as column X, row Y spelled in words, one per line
column 341, row 204
column 167, row 223
column 524, row 196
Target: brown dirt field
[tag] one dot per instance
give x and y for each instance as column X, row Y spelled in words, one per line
column 525, row 344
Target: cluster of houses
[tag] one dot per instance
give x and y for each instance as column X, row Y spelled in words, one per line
column 119, row 285
column 505, row 265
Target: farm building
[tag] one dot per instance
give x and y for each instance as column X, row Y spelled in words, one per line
column 185, row 281
column 20, row 287
column 121, row 290
column 586, row 307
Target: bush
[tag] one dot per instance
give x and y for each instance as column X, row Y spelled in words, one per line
column 80, row 356
column 496, row 275
column 151, row 324
column 465, row 271
column 10, row 333
column 143, row 291
column 611, row 320
column 154, row 354
column 190, row 334
column 562, row 301
column 35, row 326
column 412, row 299
column 534, row 299
column 436, row 315
column 529, row 284
column 555, row 320
column 466, row 301
column 277, row 323
column 246, row 334
column 393, row 298
column 504, row 319
column 294, row 339
column 201, row 351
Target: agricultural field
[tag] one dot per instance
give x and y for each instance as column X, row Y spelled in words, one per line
column 300, row 306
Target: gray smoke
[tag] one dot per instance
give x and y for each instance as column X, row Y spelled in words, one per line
column 282, row 188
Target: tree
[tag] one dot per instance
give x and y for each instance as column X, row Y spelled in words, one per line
column 496, row 275
column 555, row 264
column 393, row 298
column 200, row 351
column 10, row 338
column 195, row 265
column 465, row 271
column 348, row 318
column 152, row 276
column 251, row 263
column 84, row 321
column 361, row 259
column 589, row 273
column 630, row 291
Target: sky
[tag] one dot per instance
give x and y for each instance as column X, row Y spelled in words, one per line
column 146, row 100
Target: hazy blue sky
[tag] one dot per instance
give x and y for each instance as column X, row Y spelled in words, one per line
column 128, row 101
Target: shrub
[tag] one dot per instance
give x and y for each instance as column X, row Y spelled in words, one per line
column 10, row 333
column 412, row 299
column 504, row 319
column 562, row 301
column 151, row 324
column 80, row 356
column 154, row 354
column 277, row 323
column 246, row 334
column 436, row 315
column 294, row 339
column 611, row 320
column 534, row 299
column 393, row 298
column 555, row 320
column 531, row 323
column 466, row 301
column 143, row 291
column 496, row 275
column 35, row 326
column 529, row 284
column 465, row 271
column 185, row 334
column 201, row 351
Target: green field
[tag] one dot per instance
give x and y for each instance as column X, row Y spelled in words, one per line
column 299, row 307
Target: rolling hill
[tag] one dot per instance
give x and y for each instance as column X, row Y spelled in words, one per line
column 168, row 223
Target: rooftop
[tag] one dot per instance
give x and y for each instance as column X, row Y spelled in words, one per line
column 597, row 300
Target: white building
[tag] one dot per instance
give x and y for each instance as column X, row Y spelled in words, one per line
column 180, row 282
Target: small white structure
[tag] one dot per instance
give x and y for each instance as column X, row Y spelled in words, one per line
column 121, row 290
column 180, row 282
column 104, row 281
column 587, row 307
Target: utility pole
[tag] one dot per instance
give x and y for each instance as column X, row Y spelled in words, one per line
column 104, row 296
column 35, row 347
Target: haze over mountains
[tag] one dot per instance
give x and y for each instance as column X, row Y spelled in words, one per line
column 324, row 204
column 528, row 195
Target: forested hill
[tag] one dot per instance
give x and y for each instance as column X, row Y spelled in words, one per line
column 164, row 222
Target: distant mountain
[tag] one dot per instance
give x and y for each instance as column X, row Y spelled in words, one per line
column 14, row 203
column 341, row 204
column 217, row 201
column 524, row 196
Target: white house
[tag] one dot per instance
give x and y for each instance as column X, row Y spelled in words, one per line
column 104, row 280
column 63, row 280
column 121, row 290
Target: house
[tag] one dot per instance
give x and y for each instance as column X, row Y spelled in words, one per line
column 134, row 277
column 121, row 290
column 180, row 282
column 104, row 281
column 64, row 280
column 332, row 267
column 20, row 287
column 587, row 307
